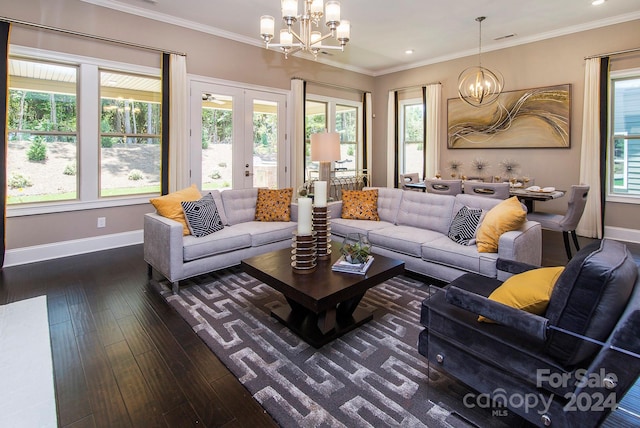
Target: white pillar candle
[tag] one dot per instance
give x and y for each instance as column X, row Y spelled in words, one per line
column 304, row 216
column 320, row 193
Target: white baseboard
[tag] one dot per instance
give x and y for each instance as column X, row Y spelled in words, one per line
column 74, row 247
column 622, row 234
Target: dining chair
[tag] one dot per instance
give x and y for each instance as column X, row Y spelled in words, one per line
column 568, row 222
column 489, row 190
column 443, row 187
column 411, row 177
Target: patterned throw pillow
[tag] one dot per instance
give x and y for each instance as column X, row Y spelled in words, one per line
column 360, row 204
column 464, row 225
column 274, row 205
column 169, row 205
column 202, row 216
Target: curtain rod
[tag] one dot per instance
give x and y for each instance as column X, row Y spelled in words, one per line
column 613, row 53
column 414, row 86
column 332, row 85
column 88, row 36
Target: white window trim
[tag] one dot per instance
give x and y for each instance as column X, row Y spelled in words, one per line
column 401, row 156
column 617, row 197
column 88, row 154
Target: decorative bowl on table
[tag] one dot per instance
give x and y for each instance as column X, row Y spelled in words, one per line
column 356, row 248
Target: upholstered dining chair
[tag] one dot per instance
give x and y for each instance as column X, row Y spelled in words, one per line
column 443, row 187
column 411, row 177
column 568, row 222
column 490, row 190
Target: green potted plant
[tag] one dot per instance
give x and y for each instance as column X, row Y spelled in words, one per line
column 356, row 248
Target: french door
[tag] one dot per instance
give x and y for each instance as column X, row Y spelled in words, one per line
column 237, row 137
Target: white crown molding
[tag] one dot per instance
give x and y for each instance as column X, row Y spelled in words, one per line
column 37, row 253
column 515, row 42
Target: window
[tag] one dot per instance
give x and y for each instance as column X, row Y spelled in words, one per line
column 80, row 134
column 411, row 156
column 624, row 140
column 345, row 118
column 42, row 155
column 129, row 134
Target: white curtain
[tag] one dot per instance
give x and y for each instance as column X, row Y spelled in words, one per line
column 297, row 138
column 391, row 139
column 591, row 222
column 432, row 152
column 179, row 126
column 369, row 134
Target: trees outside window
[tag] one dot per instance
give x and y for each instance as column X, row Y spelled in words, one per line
column 78, row 134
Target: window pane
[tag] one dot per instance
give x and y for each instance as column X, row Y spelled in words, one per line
column 265, row 144
column 413, row 154
column 217, row 141
column 625, row 143
column 130, row 134
column 42, row 116
column 347, row 127
column 315, row 121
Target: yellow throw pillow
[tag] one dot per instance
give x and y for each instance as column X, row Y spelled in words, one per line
column 506, row 216
column 169, row 205
column 529, row 291
column 274, row 205
column 360, row 204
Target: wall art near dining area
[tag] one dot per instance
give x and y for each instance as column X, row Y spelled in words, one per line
column 530, row 118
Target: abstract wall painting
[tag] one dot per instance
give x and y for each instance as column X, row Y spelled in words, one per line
column 531, row 118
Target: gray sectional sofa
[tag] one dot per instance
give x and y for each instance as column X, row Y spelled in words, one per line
column 178, row 257
column 413, row 227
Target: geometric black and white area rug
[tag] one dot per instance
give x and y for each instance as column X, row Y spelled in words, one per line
column 371, row 377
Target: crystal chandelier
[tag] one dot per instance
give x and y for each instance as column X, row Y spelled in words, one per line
column 478, row 86
column 309, row 39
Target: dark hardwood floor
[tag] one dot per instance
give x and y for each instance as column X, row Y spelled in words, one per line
column 122, row 357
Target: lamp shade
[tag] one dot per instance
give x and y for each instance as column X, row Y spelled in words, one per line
column 325, row 147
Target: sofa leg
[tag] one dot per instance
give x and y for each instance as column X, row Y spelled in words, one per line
column 567, row 246
column 175, row 287
column 149, row 271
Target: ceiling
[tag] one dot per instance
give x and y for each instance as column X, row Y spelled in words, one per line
column 381, row 31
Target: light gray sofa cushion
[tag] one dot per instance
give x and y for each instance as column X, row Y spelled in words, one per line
column 388, row 203
column 266, row 232
column 426, row 211
column 343, row 226
column 403, row 239
column 475, row 202
column 464, row 257
column 240, row 204
column 230, row 238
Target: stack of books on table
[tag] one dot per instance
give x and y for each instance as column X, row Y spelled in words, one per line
column 344, row 266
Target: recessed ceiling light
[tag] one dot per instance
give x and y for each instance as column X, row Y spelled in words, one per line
column 409, row 51
column 597, row 2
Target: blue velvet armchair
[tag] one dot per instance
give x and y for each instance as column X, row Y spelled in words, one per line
column 566, row 368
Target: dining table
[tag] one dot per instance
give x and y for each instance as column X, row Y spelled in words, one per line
column 527, row 196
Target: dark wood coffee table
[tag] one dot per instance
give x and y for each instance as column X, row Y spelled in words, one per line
column 323, row 305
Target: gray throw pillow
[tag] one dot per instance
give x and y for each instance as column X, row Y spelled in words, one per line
column 202, row 216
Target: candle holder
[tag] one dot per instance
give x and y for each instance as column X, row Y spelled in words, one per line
column 303, row 253
column 322, row 229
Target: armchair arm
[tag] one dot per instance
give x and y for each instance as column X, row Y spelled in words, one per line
column 525, row 322
column 163, row 245
column 513, row 267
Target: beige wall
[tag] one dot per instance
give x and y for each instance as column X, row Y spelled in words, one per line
column 207, row 55
column 545, row 63
column 549, row 62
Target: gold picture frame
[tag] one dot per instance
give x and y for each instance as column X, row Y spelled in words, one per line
column 530, row 118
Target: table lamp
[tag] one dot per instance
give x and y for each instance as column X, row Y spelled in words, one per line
column 325, row 148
